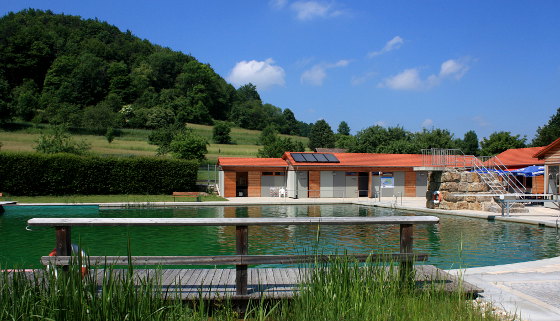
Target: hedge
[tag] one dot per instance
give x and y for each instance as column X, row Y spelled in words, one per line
column 33, row 174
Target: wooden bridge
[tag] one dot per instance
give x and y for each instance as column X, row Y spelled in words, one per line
column 242, row 282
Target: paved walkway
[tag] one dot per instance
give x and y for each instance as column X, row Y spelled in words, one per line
column 530, row 289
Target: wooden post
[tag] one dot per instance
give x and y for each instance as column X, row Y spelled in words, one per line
column 63, row 243
column 406, row 240
column 241, row 248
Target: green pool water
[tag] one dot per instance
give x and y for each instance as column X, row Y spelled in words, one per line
column 455, row 242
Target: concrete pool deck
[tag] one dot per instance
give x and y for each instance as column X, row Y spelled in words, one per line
column 530, row 290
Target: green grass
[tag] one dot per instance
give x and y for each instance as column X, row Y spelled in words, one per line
column 341, row 290
column 134, row 142
column 76, row 199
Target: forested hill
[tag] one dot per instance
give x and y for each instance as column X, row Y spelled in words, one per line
column 57, row 68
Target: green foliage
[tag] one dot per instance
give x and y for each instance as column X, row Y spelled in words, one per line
column 60, row 141
column 343, row 128
column 469, row 143
column 65, row 174
column 110, row 134
column 345, row 141
column 221, row 133
column 321, row 135
column 163, row 137
column 549, row 132
column 498, row 142
column 268, row 135
column 54, row 67
column 276, row 147
column 99, row 118
column 187, row 145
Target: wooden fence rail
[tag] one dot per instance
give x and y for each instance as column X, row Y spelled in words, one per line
column 242, row 258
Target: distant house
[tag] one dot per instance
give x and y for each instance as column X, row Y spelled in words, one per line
column 314, row 175
column 550, row 155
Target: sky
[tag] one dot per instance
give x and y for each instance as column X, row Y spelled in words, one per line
column 466, row 65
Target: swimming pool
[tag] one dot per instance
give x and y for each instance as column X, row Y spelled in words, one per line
column 456, row 242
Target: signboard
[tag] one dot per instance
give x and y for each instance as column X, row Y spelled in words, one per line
column 387, row 182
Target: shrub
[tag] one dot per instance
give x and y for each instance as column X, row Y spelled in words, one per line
column 60, row 141
column 65, row 174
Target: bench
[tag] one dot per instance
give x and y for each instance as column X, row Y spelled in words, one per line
column 188, row 194
column 241, row 259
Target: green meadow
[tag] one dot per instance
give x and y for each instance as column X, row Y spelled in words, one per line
column 134, row 142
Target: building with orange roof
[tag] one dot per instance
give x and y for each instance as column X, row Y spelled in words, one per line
column 550, row 156
column 312, row 174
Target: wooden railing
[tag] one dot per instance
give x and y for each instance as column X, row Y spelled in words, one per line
column 242, row 258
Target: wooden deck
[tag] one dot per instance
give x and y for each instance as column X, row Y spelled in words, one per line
column 267, row 283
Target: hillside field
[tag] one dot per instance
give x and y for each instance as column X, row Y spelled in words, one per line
column 134, row 142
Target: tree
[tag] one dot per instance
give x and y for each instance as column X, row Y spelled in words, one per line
column 221, row 133
column 162, row 137
column 433, row 138
column 345, row 141
column 5, row 110
column 99, row 118
column 498, row 142
column 343, row 128
column 248, row 92
column 549, row 132
column 187, row 145
column 268, row 135
column 59, row 141
column 469, row 143
column 321, row 135
column 26, row 100
column 275, row 146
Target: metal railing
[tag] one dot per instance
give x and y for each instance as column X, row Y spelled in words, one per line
column 489, row 168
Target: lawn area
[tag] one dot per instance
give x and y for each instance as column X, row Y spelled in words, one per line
column 75, row 199
column 134, row 142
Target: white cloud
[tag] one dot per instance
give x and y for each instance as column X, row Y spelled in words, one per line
column 391, row 45
column 358, row 80
column 427, row 123
column 317, row 74
column 278, row 4
column 380, row 123
column 410, row 79
column 309, row 10
column 406, row 80
column 262, row 74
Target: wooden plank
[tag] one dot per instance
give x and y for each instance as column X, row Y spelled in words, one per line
column 232, row 221
column 230, row 259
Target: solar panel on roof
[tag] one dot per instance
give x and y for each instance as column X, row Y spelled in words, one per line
column 298, row 157
column 332, row 158
column 321, row 158
column 310, row 158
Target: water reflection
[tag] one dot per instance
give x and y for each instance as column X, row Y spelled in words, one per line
column 455, row 242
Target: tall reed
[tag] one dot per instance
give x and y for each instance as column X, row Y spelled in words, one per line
column 338, row 290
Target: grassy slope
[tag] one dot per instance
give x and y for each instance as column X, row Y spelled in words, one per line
column 135, row 142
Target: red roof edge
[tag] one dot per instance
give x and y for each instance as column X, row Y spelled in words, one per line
column 542, row 152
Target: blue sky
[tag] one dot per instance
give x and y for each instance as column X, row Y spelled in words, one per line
column 459, row 65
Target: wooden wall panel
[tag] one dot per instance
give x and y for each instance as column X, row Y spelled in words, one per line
column 410, row 184
column 553, row 156
column 538, row 185
column 229, row 184
column 314, row 184
column 254, row 188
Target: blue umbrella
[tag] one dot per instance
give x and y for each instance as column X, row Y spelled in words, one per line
column 529, row 171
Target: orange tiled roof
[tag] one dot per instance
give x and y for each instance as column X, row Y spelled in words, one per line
column 365, row 160
column 520, row 157
column 251, row 162
column 540, row 154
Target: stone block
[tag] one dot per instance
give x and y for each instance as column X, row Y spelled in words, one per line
column 476, row 187
column 475, row 206
column 462, row 205
column 463, row 187
column 449, row 186
column 456, row 176
column 470, row 199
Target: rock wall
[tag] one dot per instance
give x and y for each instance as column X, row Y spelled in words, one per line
column 452, row 181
